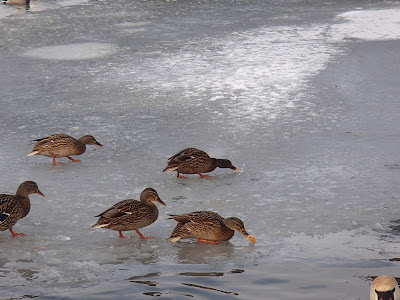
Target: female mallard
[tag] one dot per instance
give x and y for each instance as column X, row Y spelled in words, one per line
column 131, row 214
column 195, row 161
column 207, row 226
column 62, row 145
column 384, row 288
column 15, row 207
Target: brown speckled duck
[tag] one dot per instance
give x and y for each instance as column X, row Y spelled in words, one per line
column 207, row 226
column 131, row 214
column 15, row 207
column 62, row 145
column 195, row 161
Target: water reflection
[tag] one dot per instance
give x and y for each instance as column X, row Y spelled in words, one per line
column 201, row 253
column 395, row 228
column 198, row 282
column 136, row 279
column 210, row 288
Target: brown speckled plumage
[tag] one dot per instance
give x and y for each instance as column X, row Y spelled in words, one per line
column 15, row 207
column 131, row 214
column 62, row 145
column 195, row 161
column 207, row 226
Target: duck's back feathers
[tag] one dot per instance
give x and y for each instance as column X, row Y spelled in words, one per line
column 121, row 208
column 198, row 217
column 187, row 154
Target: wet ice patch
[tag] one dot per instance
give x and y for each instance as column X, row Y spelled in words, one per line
column 256, row 73
column 73, row 51
column 371, row 25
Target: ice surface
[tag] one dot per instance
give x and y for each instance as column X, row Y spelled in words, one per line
column 73, row 51
column 309, row 119
column 373, row 25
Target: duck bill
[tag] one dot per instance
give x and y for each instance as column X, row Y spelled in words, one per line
column 160, row 201
column 98, row 144
column 252, row 239
column 234, row 170
column 39, row 193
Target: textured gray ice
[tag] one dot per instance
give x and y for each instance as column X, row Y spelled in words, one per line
column 146, row 88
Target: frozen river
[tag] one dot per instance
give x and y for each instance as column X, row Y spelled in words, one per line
column 302, row 97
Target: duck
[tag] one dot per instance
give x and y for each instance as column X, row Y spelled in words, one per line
column 384, row 287
column 131, row 214
column 208, row 227
column 195, row 161
column 62, row 145
column 15, row 207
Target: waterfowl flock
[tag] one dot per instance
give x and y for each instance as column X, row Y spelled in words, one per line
column 130, row 214
column 126, row 215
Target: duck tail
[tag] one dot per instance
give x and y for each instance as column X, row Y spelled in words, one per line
column 174, row 239
column 99, row 225
column 170, row 168
column 33, row 153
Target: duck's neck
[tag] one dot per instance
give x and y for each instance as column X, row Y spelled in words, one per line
column 84, row 140
column 21, row 192
column 148, row 203
column 223, row 163
column 24, row 201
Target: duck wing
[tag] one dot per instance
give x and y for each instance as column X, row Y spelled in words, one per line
column 122, row 208
column 7, row 206
column 186, row 155
column 51, row 139
column 198, row 217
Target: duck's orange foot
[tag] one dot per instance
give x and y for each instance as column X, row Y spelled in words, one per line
column 143, row 236
column 16, row 234
column 73, row 160
column 205, row 241
column 54, row 161
column 121, row 236
column 179, row 176
column 204, row 176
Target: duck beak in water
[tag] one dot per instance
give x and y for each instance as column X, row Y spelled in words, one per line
column 252, row 239
column 160, row 201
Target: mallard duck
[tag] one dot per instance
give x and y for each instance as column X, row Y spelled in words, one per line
column 195, row 161
column 384, row 287
column 62, row 145
column 131, row 214
column 15, row 207
column 207, row 226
